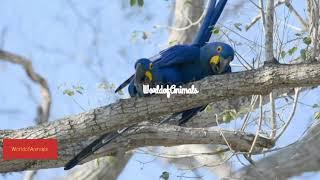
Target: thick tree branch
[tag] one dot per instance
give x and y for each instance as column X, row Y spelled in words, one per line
column 301, row 157
column 72, row 130
column 141, row 136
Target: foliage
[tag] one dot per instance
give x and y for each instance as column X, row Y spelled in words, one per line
column 72, row 91
column 165, row 175
column 137, row 2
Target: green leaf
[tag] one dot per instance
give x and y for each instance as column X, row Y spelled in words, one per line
column 307, row 40
column 165, row 175
column 216, row 30
column 145, row 35
column 238, row 26
column 316, row 106
column 68, row 92
column 303, row 54
column 133, row 2
column 120, row 92
column 78, row 89
column 140, row 3
column 229, row 115
column 208, row 109
column 283, row 54
column 292, row 51
column 317, row 116
column 298, row 34
column 173, row 42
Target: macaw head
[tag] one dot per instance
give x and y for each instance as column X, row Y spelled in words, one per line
column 143, row 70
column 218, row 55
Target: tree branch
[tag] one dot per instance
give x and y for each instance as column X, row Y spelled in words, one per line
column 298, row 158
column 44, row 108
column 141, row 136
column 71, row 131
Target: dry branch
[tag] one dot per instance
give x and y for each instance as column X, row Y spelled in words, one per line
column 71, row 131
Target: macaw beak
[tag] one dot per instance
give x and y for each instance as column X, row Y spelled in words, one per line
column 140, row 71
column 138, row 79
column 148, row 74
column 214, row 61
column 218, row 64
column 223, row 64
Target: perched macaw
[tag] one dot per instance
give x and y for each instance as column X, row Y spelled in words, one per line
column 177, row 64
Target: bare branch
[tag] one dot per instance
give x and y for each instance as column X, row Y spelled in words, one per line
column 72, row 130
column 269, row 31
column 295, row 102
column 273, row 116
column 294, row 160
column 140, row 136
column 259, row 126
column 44, row 108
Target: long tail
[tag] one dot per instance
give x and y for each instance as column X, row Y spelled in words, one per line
column 186, row 115
column 93, row 147
column 124, row 84
column 210, row 20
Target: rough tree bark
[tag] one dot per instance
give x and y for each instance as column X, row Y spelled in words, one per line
column 71, row 131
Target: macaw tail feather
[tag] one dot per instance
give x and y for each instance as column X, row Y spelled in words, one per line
column 188, row 114
column 124, row 84
column 93, row 147
column 210, row 20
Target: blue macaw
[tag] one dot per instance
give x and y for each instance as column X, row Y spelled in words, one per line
column 177, row 64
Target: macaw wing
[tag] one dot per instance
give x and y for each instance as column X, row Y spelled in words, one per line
column 95, row 146
column 178, row 54
column 124, row 84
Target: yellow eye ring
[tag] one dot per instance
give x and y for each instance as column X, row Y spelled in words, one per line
column 150, row 66
column 219, row 49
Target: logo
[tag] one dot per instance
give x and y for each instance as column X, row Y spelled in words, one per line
column 168, row 90
column 30, row 149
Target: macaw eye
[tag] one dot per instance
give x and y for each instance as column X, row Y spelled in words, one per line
column 219, row 49
column 150, row 66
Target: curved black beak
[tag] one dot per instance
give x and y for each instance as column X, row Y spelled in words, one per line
column 139, row 79
column 223, row 64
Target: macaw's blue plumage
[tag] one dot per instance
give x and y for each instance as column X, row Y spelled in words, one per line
column 170, row 68
column 175, row 65
column 214, row 59
column 213, row 14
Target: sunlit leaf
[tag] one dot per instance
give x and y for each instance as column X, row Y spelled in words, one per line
column 292, row 51
column 317, row 116
column 68, row 92
column 307, row 40
column 238, row 26
column 165, row 175
column 216, row 30
column 133, row 2
column 78, row 89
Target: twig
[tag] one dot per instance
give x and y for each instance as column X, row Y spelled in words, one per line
column 221, row 133
column 278, row 3
column 262, row 14
column 273, row 116
column 295, row 102
column 44, row 107
column 259, row 126
column 245, row 121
